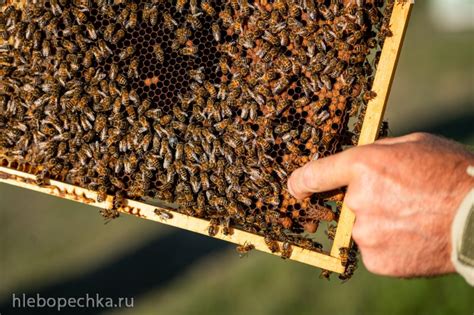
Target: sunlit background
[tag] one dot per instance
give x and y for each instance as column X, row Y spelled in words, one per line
column 59, row 248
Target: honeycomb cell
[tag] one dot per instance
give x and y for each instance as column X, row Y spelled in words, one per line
column 4, row 162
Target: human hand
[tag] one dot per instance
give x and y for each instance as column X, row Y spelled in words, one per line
column 404, row 192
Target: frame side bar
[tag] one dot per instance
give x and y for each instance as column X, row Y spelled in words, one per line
column 376, row 107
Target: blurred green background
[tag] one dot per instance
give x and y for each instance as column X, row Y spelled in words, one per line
column 58, row 248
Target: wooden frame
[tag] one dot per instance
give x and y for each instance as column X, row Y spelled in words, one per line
column 329, row 261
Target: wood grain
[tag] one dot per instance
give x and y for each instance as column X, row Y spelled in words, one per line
column 376, row 107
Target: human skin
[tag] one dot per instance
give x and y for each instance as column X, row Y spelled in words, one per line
column 404, row 192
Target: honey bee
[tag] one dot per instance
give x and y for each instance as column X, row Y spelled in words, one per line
column 193, row 5
column 223, row 65
column 91, row 31
column 326, row 12
column 102, row 194
column 226, row 17
column 108, row 11
column 374, row 15
column 197, row 74
column 121, row 79
column 326, row 82
column 230, row 49
column 271, row 244
column 344, row 255
column 384, row 130
column 81, row 17
column 168, row 21
column 114, row 70
column 182, row 35
column 193, row 20
column 369, row 95
column 355, row 37
column 70, row 46
column 133, row 68
column 109, row 214
column 286, row 250
column 216, row 32
column 189, row 51
column 211, row 89
column 109, row 31
column 132, row 20
column 123, row 16
column 127, row 52
column 213, row 228
column 163, row 214
column 284, row 64
column 281, row 85
column 244, row 249
column 331, row 232
column 322, row 117
column 282, row 128
column 159, row 53
column 104, row 49
column 180, row 4
column 207, row 8
column 326, row 274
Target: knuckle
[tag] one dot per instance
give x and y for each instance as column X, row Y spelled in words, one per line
column 365, row 235
column 378, row 263
column 352, row 200
column 420, row 136
column 358, row 234
column 371, row 262
column 362, row 162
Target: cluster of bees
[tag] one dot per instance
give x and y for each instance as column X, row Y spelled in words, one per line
column 256, row 89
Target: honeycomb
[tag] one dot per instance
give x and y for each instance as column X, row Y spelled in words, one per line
column 206, row 104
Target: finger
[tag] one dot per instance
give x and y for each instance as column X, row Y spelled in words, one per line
column 322, row 175
column 412, row 137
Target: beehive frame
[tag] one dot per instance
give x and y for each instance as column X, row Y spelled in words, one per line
column 11, row 174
